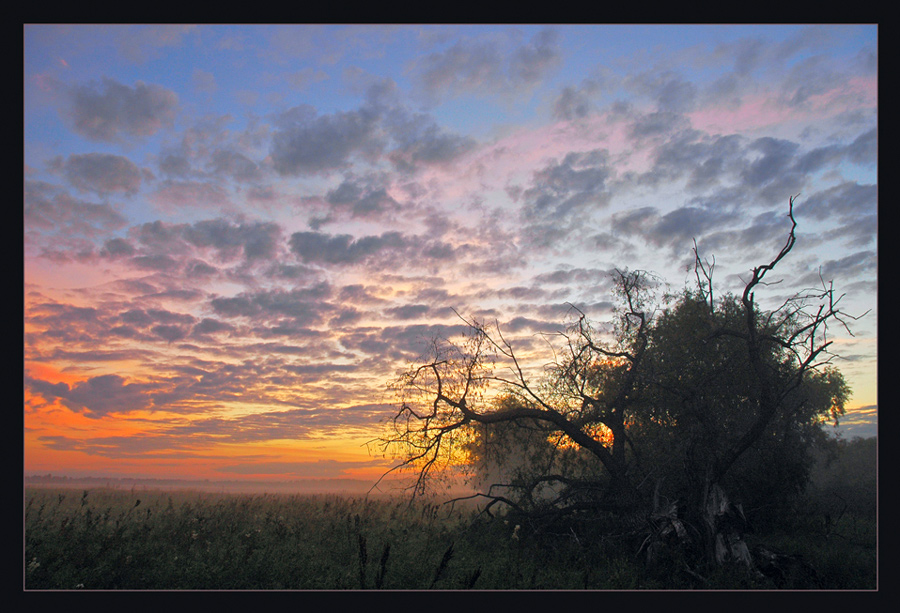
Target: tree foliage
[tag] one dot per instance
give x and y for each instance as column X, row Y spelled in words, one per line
column 695, row 394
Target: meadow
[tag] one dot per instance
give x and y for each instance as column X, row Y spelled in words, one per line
column 112, row 539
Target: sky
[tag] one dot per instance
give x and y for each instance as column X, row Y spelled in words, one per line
column 235, row 237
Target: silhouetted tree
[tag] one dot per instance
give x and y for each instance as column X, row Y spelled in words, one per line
column 693, row 397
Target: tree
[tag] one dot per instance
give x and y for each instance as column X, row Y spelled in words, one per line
column 695, row 396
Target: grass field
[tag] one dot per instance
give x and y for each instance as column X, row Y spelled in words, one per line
column 105, row 539
column 109, row 539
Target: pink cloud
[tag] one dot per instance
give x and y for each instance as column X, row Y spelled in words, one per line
column 514, row 156
column 765, row 110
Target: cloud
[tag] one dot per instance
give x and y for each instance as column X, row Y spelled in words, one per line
column 137, row 317
column 359, row 294
column 392, row 343
column 518, row 324
column 634, row 221
column 576, row 276
column 178, row 293
column 287, row 258
column 101, row 173
column 199, row 269
column 531, row 61
column 857, row 265
column 361, row 197
column 676, row 228
column 49, row 208
column 179, row 440
column 236, row 165
column 855, row 205
column 670, row 92
column 159, row 262
column 79, row 327
column 861, row 422
column 225, row 241
column 409, row 311
column 139, row 445
column 748, row 55
column 863, row 150
column 159, row 235
column 319, row 469
column 576, row 102
column 420, row 141
column 111, row 112
column 254, row 240
column 580, row 180
column 143, row 43
column 775, row 155
column 316, row 371
column 846, row 201
column 657, row 125
column 487, row 65
column 706, row 161
column 210, row 326
column 116, row 248
column 307, row 143
column 810, row 77
column 302, row 307
column 169, row 333
column 174, row 195
column 344, row 249
column 97, row 396
column 346, row 316
column 174, row 165
column 763, row 171
column 66, row 323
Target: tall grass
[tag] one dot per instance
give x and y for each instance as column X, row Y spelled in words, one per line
column 111, row 539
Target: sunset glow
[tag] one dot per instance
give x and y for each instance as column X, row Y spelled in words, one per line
column 235, row 237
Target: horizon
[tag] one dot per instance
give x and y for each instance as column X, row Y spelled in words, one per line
column 236, row 236
column 391, row 485
column 861, row 428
